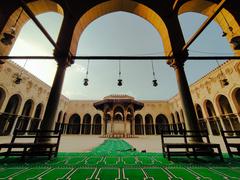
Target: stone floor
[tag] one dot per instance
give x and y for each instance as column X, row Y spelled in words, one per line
column 84, row 143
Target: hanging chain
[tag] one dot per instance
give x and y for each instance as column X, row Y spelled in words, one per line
column 23, row 67
column 119, row 69
column 153, row 70
column 87, row 68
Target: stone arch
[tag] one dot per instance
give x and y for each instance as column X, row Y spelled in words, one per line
column 139, row 127
column 201, row 120
column 37, row 7
column 86, row 125
column 199, row 111
column 59, row 116
column 25, row 117
column 214, row 121
column 173, row 125
column 64, row 124
column 162, row 123
column 235, row 95
column 74, row 124
column 13, row 104
column 206, row 7
column 36, row 118
column 97, row 124
column 9, row 116
column 2, row 96
column 156, row 17
column 229, row 119
column 149, row 126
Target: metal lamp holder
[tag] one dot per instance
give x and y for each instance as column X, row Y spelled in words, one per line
column 85, row 81
column 154, row 81
column 120, row 83
column 10, row 35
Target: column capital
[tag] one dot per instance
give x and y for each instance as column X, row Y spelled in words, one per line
column 175, row 63
column 63, row 58
column 178, row 59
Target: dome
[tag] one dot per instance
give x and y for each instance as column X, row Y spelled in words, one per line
column 118, row 96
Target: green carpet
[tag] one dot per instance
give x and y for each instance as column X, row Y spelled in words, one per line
column 116, row 159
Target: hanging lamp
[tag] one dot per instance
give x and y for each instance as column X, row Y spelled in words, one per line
column 119, row 74
column 154, row 81
column 10, row 34
column 18, row 77
column 85, row 81
column 223, row 80
column 235, row 40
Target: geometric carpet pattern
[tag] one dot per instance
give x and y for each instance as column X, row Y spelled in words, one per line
column 115, row 159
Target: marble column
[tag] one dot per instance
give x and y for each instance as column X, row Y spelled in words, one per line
column 191, row 121
column 54, row 98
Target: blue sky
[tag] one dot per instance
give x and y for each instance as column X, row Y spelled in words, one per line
column 123, row 34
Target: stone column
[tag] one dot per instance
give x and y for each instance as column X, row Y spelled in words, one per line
column 186, row 98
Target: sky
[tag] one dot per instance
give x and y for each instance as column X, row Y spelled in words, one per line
column 122, row 34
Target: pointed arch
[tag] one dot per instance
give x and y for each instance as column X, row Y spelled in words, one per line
column 162, row 124
column 97, row 124
column 139, row 128
column 149, row 126
column 230, row 120
column 74, row 124
column 214, row 121
column 86, row 125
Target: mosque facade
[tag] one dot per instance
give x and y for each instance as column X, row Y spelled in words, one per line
column 217, row 106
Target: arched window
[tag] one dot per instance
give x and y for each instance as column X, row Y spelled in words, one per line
column 74, row 124
column 139, row 129
column 86, row 125
column 161, row 124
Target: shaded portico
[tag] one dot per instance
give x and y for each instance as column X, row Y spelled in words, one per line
column 118, row 114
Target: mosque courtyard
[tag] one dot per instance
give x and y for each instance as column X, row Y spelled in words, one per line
column 92, row 157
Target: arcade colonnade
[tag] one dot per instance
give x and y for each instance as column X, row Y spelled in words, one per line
column 78, row 14
column 216, row 106
column 92, row 121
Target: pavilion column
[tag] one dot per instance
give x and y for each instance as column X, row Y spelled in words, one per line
column 111, row 123
column 191, row 121
column 54, row 97
column 133, row 125
column 103, row 123
column 125, row 122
